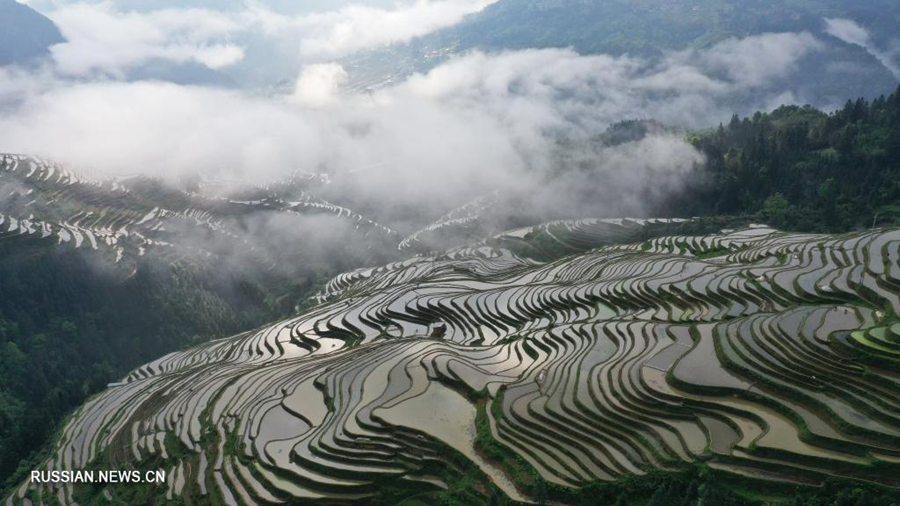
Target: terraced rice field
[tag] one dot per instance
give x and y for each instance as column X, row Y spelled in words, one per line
column 127, row 218
column 764, row 354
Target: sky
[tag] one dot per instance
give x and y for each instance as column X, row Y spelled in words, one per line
column 481, row 121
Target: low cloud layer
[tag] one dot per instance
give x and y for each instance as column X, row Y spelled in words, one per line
column 478, row 123
column 337, row 33
column 106, row 38
column 536, row 90
column 100, row 39
column 850, row 32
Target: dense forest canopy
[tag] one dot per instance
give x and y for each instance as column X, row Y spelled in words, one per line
column 802, row 169
column 70, row 325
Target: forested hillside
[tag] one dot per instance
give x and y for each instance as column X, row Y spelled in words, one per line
column 97, row 277
column 69, row 325
column 802, row 169
column 650, row 27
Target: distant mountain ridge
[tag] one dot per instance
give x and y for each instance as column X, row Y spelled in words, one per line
column 650, row 29
column 25, row 34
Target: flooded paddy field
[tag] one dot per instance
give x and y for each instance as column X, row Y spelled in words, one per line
column 772, row 350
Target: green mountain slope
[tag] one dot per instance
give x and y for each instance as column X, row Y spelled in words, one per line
column 804, row 169
column 652, row 28
column 649, row 27
column 98, row 276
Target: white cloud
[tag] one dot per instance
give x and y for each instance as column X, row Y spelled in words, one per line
column 319, row 84
column 754, row 61
column 102, row 39
column 338, row 33
column 481, row 121
column 17, row 84
column 559, row 88
column 218, row 55
column 850, row 32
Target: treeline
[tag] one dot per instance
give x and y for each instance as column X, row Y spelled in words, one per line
column 70, row 324
column 801, row 169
